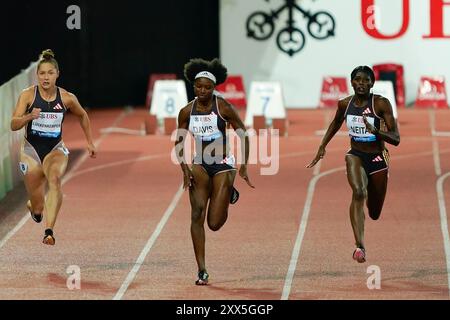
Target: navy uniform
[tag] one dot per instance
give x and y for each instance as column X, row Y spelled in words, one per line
column 43, row 135
column 209, row 131
column 372, row 162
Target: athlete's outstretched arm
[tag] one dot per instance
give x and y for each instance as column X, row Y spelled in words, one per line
column 71, row 102
column 19, row 118
column 334, row 126
column 230, row 114
column 183, row 127
column 384, row 108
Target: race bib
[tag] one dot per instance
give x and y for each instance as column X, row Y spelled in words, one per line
column 47, row 125
column 23, row 167
column 357, row 129
column 204, row 127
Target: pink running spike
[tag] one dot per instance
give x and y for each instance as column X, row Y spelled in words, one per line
column 359, row 255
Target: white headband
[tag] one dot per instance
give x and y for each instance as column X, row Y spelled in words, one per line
column 206, row 74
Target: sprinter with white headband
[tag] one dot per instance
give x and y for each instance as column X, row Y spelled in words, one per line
column 213, row 171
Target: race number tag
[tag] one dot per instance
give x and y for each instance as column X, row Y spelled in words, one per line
column 47, row 125
column 357, row 129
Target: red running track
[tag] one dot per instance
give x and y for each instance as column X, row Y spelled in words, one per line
column 290, row 238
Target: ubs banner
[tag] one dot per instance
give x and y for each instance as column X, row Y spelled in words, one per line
column 299, row 42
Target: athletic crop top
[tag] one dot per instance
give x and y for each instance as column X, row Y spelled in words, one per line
column 207, row 127
column 208, row 130
column 354, row 118
column 48, row 127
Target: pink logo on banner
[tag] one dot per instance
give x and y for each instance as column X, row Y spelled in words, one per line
column 432, row 93
column 333, row 89
column 233, row 91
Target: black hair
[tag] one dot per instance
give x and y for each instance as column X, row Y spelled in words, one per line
column 194, row 66
column 365, row 69
column 48, row 56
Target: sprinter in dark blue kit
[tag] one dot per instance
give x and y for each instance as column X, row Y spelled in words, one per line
column 371, row 123
column 43, row 157
column 211, row 177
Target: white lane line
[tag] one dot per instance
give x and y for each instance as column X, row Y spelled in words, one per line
column 435, row 143
column 401, row 157
column 14, row 230
column 70, row 174
column 436, row 158
column 118, row 163
column 151, row 241
column 306, row 211
column 440, row 193
column 66, row 178
column 301, row 232
column 444, row 225
column 434, row 133
column 306, row 153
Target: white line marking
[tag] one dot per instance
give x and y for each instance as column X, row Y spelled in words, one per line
column 123, row 130
column 322, row 133
column 440, row 192
column 306, row 153
column 305, row 216
column 301, row 232
column 14, row 230
column 444, row 225
column 435, row 144
column 151, row 241
column 436, row 158
column 118, row 163
column 441, row 134
column 434, row 133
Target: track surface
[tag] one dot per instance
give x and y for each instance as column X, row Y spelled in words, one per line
column 125, row 223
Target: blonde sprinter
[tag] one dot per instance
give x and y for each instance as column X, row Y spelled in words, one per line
column 43, row 157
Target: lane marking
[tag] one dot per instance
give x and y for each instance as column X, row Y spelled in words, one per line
column 305, row 215
column 119, row 163
column 435, row 143
column 151, row 241
column 440, row 191
column 444, row 225
column 301, row 232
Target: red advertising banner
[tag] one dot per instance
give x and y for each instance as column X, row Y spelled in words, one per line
column 392, row 72
column 333, row 89
column 233, row 91
column 432, row 93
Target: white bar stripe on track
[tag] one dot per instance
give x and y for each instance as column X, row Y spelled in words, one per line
column 151, row 241
column 119, row 163
column 435, row 143
column 436, row 158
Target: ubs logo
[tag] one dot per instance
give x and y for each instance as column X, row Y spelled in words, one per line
column 290, row 39
column 50, row 116
column 202, row 119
